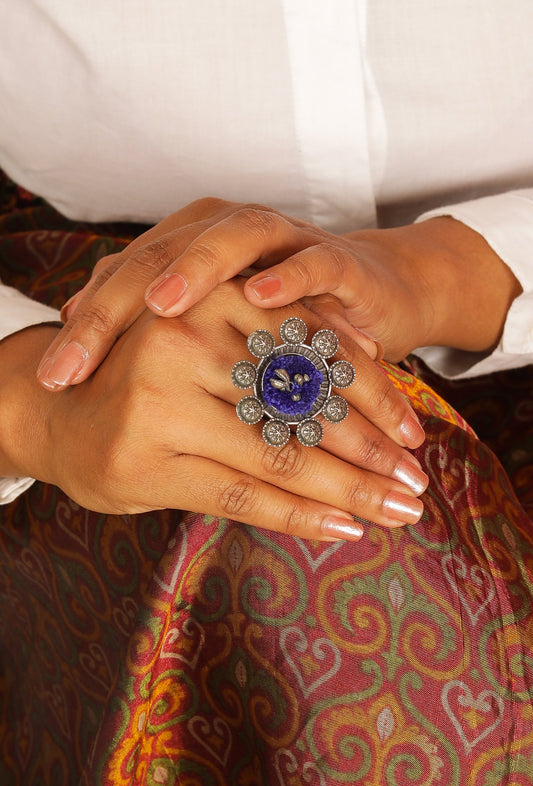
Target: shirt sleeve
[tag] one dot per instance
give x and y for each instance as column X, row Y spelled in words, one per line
column 506, row 223
column 18, row 312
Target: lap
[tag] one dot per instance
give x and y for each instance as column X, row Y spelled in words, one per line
column 162, row 647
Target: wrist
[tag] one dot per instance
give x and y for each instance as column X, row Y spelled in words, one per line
column 467, row 287
column 25, row 407
column 452, row 288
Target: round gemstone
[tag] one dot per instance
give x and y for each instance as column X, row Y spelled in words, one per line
column 243, row 374
column 291, row 386
column 261, row 343
column 342, row 374
column 276, row 433
column 309, row 432
column 293, row 331
column 250, row 410
column 325, row 342
column 335, row 409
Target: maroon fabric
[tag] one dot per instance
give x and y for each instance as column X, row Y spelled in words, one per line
column 170, row 649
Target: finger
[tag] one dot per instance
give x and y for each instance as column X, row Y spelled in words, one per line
column 325, row 267
column 100, row 273
column 108, row 306
column 222, row 251
column 237, row 495
column 314, row 474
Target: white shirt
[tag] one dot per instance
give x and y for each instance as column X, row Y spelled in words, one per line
column 346, row 113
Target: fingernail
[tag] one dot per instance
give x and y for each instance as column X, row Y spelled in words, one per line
column 63, row 367
column 401, row 509
column 412, row 432
column 266, row 287
column 165, row 292
column 341, row 528
column 412, row 476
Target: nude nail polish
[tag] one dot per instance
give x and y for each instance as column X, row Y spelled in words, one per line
column 63, row 367
column 412, row 432
column 342, row 528
column 401, row 509
column 266, row 287
column 411, row 475
column 165, row 292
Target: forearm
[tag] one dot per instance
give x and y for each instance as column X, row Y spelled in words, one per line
column 24, row 405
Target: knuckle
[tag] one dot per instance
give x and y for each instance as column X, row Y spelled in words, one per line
column 285, row 462
column 154, row 257
column 336, row 257
column 372, row 452
column 236, row 499
column 358, row 495
column 307, row 276
column 208, row 203
column 258, row 220
column 382, row 400
column 296, row 521
column 99, row 319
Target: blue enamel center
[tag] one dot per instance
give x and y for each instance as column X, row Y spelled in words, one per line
column 303, row 384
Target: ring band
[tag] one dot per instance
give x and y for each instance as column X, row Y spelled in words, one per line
column 292, row 383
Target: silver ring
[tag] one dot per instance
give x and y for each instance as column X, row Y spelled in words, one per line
column 292, row 383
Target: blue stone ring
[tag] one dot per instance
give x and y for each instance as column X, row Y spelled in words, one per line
column 292, row 383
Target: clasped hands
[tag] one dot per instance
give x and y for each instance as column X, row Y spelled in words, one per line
column 155, row 418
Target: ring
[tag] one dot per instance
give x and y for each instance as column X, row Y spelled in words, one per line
column 292, row 383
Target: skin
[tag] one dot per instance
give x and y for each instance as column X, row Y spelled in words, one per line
column 405, row 287
column 158, row 415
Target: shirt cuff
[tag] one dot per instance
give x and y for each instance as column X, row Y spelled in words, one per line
column 506, row 223
column 11, row 488
column 16, row 313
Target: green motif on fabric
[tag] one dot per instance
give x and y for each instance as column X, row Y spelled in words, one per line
column 393, row 594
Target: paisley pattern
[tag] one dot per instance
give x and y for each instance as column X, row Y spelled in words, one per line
column 182, row 649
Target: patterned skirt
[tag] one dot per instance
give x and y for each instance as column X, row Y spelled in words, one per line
column 177, row 648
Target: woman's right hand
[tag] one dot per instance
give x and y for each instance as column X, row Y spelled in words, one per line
column 155, row 427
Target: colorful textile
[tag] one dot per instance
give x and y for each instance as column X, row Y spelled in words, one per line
column 182, row 649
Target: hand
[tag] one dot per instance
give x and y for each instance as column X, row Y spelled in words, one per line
column 403, row 287
column 155, row 427
column 115, row 295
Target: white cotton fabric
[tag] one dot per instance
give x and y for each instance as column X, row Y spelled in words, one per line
column 348, row 113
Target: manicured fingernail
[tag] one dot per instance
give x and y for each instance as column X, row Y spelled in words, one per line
column 412, row 432
column 411, row 475
column 342, row 528
column 63, row 367
column 266, row 287
column 401, row 509
column 165, row 292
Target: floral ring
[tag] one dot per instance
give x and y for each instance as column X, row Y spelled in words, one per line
column 292, row 383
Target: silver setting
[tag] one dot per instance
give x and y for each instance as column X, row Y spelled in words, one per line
column 276, row 433
column 335, row 409
column 325, row 342
column 250, row 410
column 341, row 374
column 261, row 343
column 293, row 331
column 309, row 432
column 244, row 374
column 292, row 386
